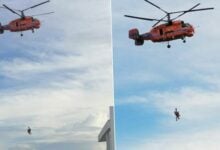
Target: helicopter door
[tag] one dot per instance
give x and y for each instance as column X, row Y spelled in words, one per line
column 161, row 31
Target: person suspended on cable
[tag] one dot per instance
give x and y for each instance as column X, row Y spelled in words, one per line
column 177, row 114
column 29, row 130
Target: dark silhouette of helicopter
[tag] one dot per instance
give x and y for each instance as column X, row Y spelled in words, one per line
column 172, row 29
column 23, row 23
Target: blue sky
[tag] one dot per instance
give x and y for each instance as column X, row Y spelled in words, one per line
column 58, row 81
column 150, row 81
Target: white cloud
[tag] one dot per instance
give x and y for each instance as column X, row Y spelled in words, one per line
column 59, row 80
column 157, row 80
column 196, row 105
column 201, row 140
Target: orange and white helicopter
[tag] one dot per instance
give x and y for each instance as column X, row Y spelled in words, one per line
column 23, row 23
column 172, row 29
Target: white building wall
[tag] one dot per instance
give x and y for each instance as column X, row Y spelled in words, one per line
column 107, row 133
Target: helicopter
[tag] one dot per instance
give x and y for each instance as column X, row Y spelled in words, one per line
column 23, row 23
column 172, row 29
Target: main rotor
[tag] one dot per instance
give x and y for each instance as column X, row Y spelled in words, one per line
column 21, row 12
column 169, row 20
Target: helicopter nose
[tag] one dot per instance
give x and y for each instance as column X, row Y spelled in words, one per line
column 37, row 23
column 191, row 31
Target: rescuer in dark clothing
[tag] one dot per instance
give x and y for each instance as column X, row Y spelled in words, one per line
column 177, row 114
column 29, row 130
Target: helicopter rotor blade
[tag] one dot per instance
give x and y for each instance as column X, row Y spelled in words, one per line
column 36, row 5
column 5, row 6
column 193, row 10
column 16, row 10
column 159, row 21
column 42, row 14
column 148, row 19
column 157, row 6
column 186, row 12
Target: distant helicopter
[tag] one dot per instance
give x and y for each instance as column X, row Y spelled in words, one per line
column 24, row 23
column 172, row 29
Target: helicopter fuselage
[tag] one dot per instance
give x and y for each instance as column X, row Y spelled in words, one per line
column 164, row 32
column 22, row 24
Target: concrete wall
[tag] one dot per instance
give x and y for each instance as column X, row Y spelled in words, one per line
column 107, row 133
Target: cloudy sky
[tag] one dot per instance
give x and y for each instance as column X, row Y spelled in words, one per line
column 150, row 81
column 58, row 81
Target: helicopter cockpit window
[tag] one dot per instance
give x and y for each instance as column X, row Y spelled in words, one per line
column 185, row 25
